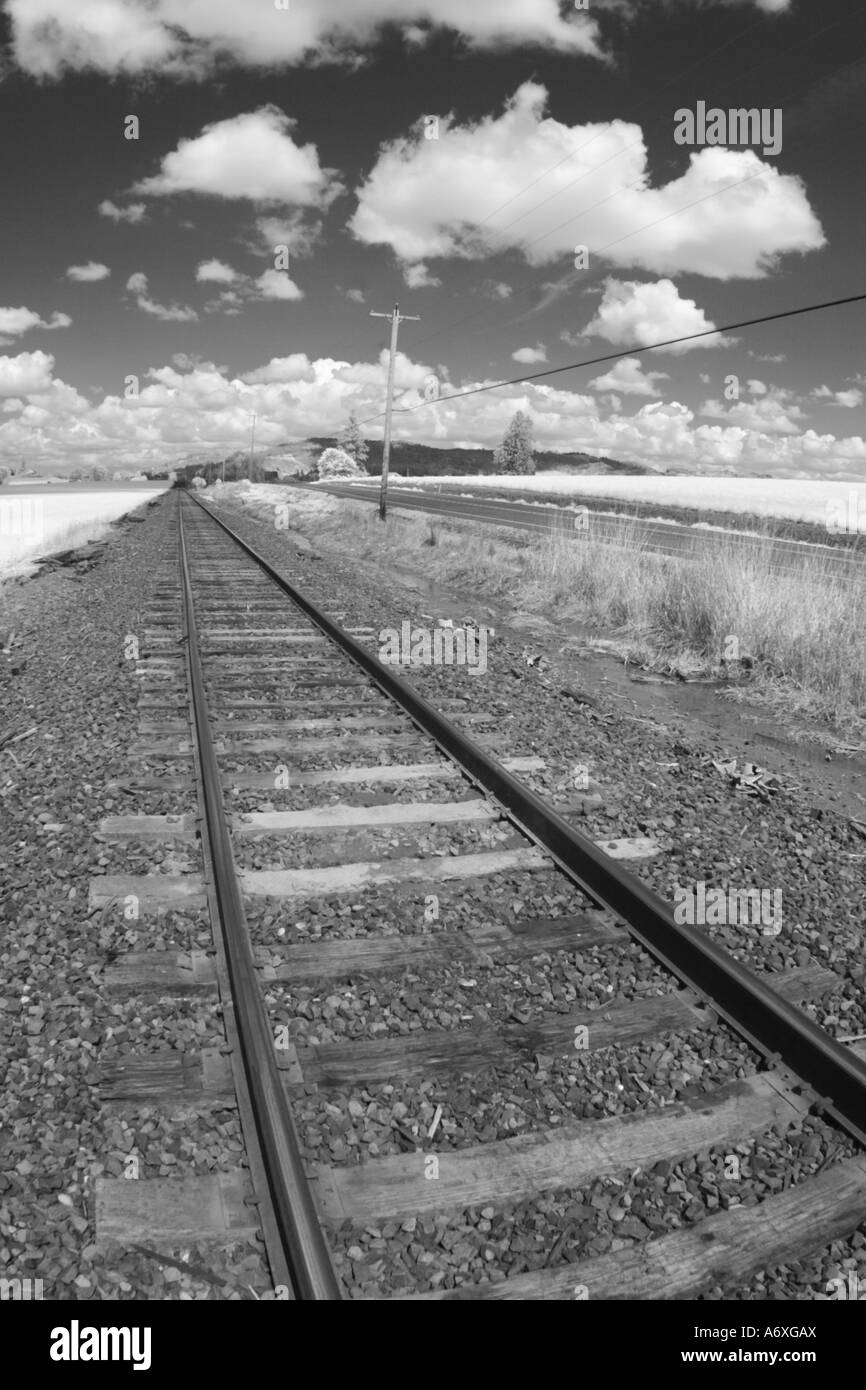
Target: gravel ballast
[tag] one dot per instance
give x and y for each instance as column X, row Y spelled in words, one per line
column 59, row 1022
column 652, row 781
column 68, row 680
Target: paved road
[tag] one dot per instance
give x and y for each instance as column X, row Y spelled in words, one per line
column 667, row 538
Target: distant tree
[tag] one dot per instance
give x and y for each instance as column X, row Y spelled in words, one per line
column 514, row 454
column 336, row 463
column 76, row 475
column 351, row 441
column 98, row 474
column 5, row 473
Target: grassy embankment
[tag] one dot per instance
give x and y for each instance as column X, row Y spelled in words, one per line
column 801, row 631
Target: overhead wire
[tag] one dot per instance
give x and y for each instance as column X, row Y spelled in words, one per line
column 486, row 308
column 635, row 350
column 598, row 250
column 528, row 286
column 572, row 154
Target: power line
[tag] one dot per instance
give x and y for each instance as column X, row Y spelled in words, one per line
column 632, row 351
column 396, row 319
column 762, row 173
column 485, row 308
column 627, row 188
column 572, row 154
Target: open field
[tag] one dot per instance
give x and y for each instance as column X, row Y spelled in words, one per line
column 42, row 520
column 797, row 636
column 818, row 504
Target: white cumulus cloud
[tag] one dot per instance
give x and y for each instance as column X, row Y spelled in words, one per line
column 216, row 271
column 207, row 408
column 775, row 412
column 295, row 367
column 728, row 215
column 26, row 373
column 419, row 277
column 629, row 378
column 849, row 399
column 296, row 232
column 93, row 270
column 133, row 212
column 187, row 37
column 277, row 284
column 14, row 322
column 629, row 10
column 250, row 156
column 531, row 354
column 650, row 312
column 137, row 285
column 240, row 290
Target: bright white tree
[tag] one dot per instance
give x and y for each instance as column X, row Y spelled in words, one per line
column 352, row 442
column 336, row 463
column 514, row 454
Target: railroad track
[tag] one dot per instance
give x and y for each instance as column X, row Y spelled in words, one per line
column 420, row 1117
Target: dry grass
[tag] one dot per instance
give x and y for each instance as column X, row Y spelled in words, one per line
column 800, row 632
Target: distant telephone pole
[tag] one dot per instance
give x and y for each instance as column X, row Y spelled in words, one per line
column 252, row 447
column 396, row 319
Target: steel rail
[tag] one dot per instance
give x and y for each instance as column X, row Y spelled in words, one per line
column 306, row 1251
column 778, row 1029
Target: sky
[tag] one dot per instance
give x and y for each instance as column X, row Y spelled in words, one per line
column 204, row 200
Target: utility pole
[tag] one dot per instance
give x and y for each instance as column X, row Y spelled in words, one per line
column 252, row 446
column 396, row 319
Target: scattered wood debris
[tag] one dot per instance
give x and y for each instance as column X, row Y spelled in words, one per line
column 10, row 736
column 751, row 779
